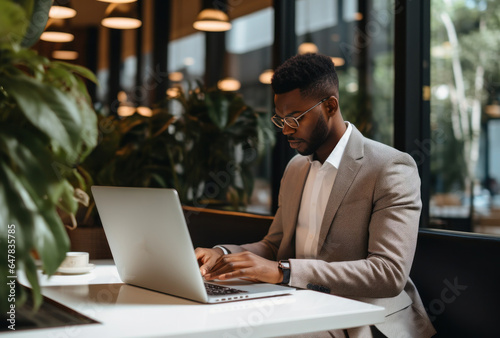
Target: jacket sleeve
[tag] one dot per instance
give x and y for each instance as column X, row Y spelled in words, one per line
column 268, row 247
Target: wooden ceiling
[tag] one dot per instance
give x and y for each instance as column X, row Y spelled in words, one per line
column 91, row 12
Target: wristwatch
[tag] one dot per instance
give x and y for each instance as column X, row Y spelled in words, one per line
column 284, row 266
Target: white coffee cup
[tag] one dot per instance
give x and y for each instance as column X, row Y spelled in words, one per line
column 75, row 260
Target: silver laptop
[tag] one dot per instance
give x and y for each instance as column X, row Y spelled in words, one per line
column 152, row 248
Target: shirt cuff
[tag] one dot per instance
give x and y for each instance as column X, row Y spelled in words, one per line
column 224, row 250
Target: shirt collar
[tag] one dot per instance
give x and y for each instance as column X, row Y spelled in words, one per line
column 337, row 152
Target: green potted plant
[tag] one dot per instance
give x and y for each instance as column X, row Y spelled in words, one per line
column 47, row 126
column 219, row 140
column 206, row 147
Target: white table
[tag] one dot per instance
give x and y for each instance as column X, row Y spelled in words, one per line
column 128, row 311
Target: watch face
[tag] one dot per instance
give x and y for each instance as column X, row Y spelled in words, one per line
column 284, row 264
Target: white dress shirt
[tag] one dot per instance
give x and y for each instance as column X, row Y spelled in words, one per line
column 315, row 196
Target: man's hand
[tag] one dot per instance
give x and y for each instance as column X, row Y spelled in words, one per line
column 207, row 258
column 246, row 265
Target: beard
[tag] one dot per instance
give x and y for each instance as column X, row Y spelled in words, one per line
column 319, row 136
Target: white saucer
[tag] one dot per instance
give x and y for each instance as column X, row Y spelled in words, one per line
column 76, row 270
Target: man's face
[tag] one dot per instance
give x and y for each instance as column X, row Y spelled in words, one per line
column 313, row 129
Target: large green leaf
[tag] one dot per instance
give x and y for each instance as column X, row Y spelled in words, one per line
column 89, row 129
column 218, row 110
column 14, row 213
column 32, row 160
column 49, row 110
column 79, row 70
column 13, row 24
column 67, row 201
column 29, row 267
column 30, row 60
column 38, row 21
column 47, row 232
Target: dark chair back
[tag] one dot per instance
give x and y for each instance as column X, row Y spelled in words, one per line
column 209, row 227
column 458, row 277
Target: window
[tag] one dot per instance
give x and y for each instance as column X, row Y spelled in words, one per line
column 465, row 95
column 245, row 54
column 360, row 40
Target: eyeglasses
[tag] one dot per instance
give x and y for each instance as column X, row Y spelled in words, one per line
column 292, row 122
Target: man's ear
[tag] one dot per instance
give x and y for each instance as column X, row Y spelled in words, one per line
column 332, row 105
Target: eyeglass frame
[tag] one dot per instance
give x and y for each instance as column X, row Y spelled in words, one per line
column 296, row 119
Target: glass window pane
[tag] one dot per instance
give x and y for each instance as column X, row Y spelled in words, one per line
column 361, row 44
column 465, row 86
column 247, row 54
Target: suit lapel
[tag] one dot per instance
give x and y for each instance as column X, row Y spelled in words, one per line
column 349, row 167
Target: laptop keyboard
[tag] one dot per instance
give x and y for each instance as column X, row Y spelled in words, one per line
column 218, row 290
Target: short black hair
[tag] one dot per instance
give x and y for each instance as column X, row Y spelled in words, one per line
column 313, row 74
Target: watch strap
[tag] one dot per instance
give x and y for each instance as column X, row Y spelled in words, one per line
column 284, row 266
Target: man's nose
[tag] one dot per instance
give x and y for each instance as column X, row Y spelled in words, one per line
column 287, row 130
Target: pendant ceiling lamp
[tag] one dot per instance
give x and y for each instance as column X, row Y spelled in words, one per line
column 229, row 84
column 61, row 9
column 308, row 46
column 173, row 92
column 176, row 76
column 266, row 76
column 212, row 20
column 338, row 61
column 493, row 110
column 145, row 111
column 118, row 1
column 57, row 31
column 65, row 52
column 121, row 16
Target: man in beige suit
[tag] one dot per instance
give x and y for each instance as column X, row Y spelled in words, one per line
column 348, row 212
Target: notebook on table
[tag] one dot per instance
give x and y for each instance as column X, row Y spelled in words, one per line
column 151, row 246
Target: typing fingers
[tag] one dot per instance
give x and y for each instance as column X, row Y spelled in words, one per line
column 243, row 264
column 206, row 259
column 229, row 266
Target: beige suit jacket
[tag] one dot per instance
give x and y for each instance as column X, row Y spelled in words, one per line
column 368, row 234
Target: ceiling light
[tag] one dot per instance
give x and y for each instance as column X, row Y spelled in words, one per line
column 175, row 76
column 266, row 76
column 173, row 92
column 493, row 110
column 308, row 47
column 124, row 110
column 57, row 31
column 145, row 111
column 229, row 84
column 61, row 10
column 212, row 20
column 121, row 16
column 118, row 1
column 65, row 51
column 338, row 62
column 65, row 54
column 122, row 96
